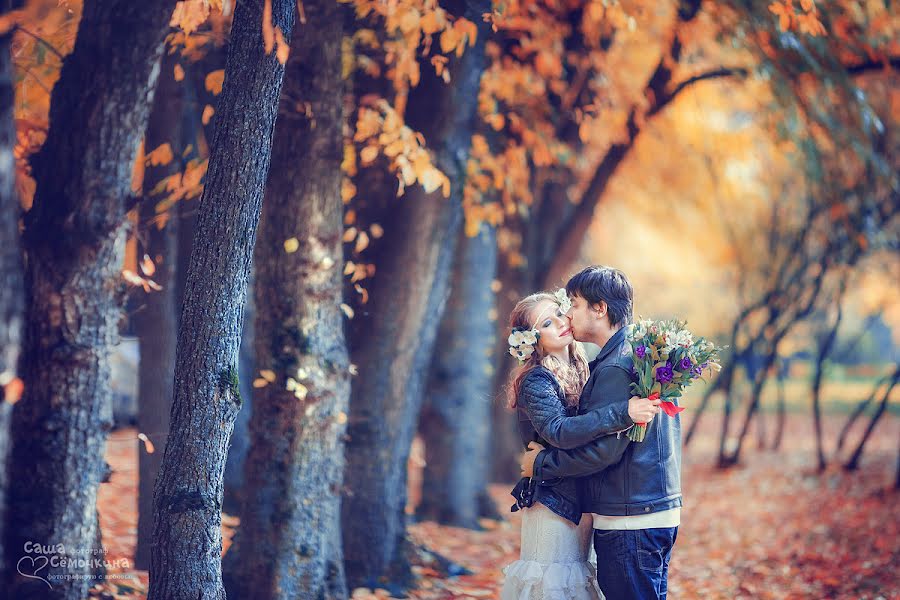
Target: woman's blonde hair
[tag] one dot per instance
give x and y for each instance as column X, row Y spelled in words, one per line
column 571, row 376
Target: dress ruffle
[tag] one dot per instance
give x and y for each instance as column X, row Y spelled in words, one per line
column 530, row 580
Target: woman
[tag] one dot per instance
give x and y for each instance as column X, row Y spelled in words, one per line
column 555, row 541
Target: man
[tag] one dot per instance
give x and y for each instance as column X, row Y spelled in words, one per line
column 633, row 489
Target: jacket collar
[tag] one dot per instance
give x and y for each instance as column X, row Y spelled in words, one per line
column 611, row 345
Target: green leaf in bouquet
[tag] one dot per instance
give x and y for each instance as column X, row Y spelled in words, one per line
column 654, row 353
column 656, row 389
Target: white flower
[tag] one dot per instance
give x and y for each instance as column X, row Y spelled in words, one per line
column 530, row 337
column 516, row 338
column 562, row 298
column 524, row 352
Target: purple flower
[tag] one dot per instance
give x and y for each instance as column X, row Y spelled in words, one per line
column 664, row 374
column 641, row 351
column 696, row 372
column 685, row 364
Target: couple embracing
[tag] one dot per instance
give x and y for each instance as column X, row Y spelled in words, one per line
column 583, row 477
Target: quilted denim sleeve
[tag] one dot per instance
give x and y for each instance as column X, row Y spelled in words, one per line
column 613, row 387
column 540, row 396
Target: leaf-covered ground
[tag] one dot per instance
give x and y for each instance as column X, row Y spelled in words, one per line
column 769, row 528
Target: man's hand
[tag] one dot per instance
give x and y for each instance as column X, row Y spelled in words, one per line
column 529, row 457
column 642, row 410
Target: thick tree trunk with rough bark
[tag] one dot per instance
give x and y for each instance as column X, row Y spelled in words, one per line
column 12, row 299
column 289, row 541
column 73, row 242
column 456, row 418
column 155, row 315
column 393, row 341
column 185, row 558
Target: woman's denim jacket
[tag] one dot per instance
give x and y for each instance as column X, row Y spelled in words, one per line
column 544, row 418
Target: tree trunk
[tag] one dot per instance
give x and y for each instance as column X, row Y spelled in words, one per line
column 155, row 318
column 73, row 241
column 12, row 300
column 233, row 500
column 289, row 542
column 826, row 344
column 853, row 462
column 782, row 408
column 727, row 459
column 859, row 411
column 186, row 556
column 456, row 419
column 393, row 341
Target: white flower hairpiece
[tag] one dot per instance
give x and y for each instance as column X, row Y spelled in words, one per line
column 562, row 298
column 522, row 342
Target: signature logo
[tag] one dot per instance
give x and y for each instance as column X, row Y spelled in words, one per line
column 37, row 563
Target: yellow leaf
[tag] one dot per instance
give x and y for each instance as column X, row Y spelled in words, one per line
column 376, row 230
column 147, row 266
column 268, row 375
column 214, row 81
column 291, row 245
column 341, row 417
column 12, row 391
column 283, row 47
column 450, row 38
column 348, row 190
column 208, row 112
column 349, row 267
column 350, row 234
column 368, row 154
column 161, row 155
column 148, row 445
column 347, row 310
column 301, row 391
column 260, row 383
column 362, row 241
column 179, row 73
column 268, row 32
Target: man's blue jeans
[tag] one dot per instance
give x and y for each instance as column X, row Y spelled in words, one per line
column 634, row 564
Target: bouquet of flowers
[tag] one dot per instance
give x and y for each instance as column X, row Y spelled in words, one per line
column 667, row 359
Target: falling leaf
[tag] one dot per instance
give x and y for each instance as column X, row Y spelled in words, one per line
column 148, row 445
column 347, row 310
column 260, row 383
column 291, row 245
column 147, row 266
column 214, row 81
column 208, row 112
column 376, row 230
column 179, row 72
column 268, row 375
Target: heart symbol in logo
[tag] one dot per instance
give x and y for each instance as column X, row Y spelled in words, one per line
column 34, row 567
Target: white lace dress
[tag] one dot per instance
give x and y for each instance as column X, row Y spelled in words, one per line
column 554, row 560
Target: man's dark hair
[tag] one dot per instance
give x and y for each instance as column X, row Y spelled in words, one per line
column 610, row 285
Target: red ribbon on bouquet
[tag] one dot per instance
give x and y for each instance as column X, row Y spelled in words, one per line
column 670, row 408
